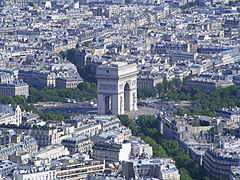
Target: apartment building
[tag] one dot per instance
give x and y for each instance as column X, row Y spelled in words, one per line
column 28, row 145
column 73, row 171
column 139, row 147
column 163, row 169
column 183, row 128
column 77, row 144
column 6, row 77
column 148, row 82
column 111, row 152
column 6, row 167
column 49, row 153
column 17, row 88
column 68, row 82
column 230, row 113
column 207, row 85
column 10, row 114
column 38, row 79
column 219, row 160
column 80, row 171
column 36, row 173
column 45, row 136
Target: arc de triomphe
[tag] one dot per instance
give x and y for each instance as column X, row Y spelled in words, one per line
column 117, row 88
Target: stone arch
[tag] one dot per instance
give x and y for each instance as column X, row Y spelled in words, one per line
column 117, row 80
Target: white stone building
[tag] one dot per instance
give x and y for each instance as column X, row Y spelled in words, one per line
column 80, row 170
column 163, row 169
column 139, row 147
column 111, row 152
column 10, row 114
column 47, row 154
column 35, row 174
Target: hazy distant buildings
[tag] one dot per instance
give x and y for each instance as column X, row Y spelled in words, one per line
column 61, row 80
column 148, row 82
column 208, row 84
column 68, row 82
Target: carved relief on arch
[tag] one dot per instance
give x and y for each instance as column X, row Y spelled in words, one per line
column 134, row 82
column 121, row 86
column 107, row 87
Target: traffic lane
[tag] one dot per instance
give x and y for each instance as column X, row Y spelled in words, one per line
column 169, row 107
column 67, row 110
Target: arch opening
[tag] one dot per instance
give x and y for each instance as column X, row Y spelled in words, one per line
column 108, row 105
column 126, row 97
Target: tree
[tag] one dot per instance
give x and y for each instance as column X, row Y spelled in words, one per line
column 206, row 178
column 87, row 74
column 173, row 96
column 160, row 88
column 158, row 150
column 184, row 174
column 146, row 93
column 71, row 54
column 231, row 132
column 84, row 86
column 63, row 54
column 181, row 112
column 128, row 123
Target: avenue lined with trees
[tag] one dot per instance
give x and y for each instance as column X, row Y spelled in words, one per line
column 146, row 127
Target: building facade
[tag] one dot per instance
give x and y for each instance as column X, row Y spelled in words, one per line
column 163, row 169
column 6, row 167
column 43, row 175
column 111, row 152
column 48, row 153
column 68, row 83
column 77, row 144
column 81, row 170
column 14, row 89
column 219, row 160
column 207, row 85
column 148, row 82
column 10, row 115
column 28, row 145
